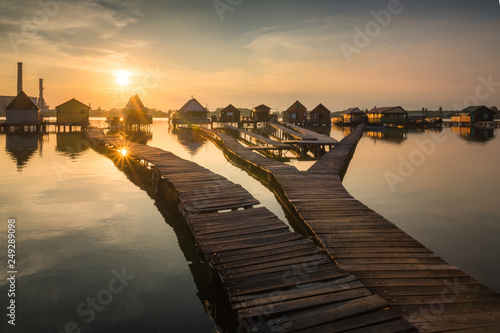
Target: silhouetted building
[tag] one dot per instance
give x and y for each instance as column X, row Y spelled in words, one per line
column 135, row 113
column 354, row 116
column 191, row 113
column 230, row 114
column 474, row 114
column 41, row 101
column 73, row 112
column 6, row 100
column 393, row 115
column 23, row 111
column 295, row 114
column 261, row 113
column 320, row 115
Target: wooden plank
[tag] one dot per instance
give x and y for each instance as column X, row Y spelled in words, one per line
column 303, row 303
column 292, row 279
column 271, row 270
column 346, row 283
column 364, row 320
column 322, row 315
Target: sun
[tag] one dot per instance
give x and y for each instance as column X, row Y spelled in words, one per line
column 122, row 78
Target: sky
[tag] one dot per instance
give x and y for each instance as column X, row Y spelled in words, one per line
column 412, row 53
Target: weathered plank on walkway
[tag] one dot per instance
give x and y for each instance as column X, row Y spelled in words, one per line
column 426, row 290
column 274, row 278
column 336, row 159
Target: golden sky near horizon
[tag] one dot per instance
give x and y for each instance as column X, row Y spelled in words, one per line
column 364, row 53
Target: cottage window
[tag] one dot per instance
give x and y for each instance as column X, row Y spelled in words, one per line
column 485, row 116
column 294, row 115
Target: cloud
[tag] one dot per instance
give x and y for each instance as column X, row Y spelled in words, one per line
column 75, row 34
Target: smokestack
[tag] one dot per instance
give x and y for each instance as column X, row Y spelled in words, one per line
column 41, row 101
column 19, row 77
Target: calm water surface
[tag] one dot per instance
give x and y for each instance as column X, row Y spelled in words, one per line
column 81, row 222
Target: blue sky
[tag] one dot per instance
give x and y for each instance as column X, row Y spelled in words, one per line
column 426, row 54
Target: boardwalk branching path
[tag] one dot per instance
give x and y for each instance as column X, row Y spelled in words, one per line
column 276, row 280
column 430, row 293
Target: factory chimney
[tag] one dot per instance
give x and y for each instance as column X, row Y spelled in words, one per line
column 41, row 101
column 19, row 77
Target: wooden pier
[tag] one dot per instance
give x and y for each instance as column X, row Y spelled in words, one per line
column 261, row 142
column 276, row 280
column 302, row 139
column 427, row 291
column 40, row 127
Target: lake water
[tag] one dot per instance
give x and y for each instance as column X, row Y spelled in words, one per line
column 84, row 231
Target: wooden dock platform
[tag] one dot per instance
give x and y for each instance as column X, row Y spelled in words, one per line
column 288, row 132
column 302, row 139
column 261, row 142
column 427, row 291
column 319, row 137
column 276, row 280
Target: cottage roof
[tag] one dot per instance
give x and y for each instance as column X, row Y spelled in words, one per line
column 296, row 106
column 135, row 103
column 384, row 109
column 73, row 100
column 192, row 106
column 262, row 106
column 352, row 110
column 22, row 102
column 472, row 109
column 321, row 108
column 230, row 108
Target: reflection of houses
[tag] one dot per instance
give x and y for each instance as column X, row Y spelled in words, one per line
column 320, row 115
column 191, row 113
column 136, row 114
column 295, row 114
column 474, row 134
column 394, row 115
column 190, row 140
column 22, row 146
column 230, row 114
column 353, row 116
column 73, row 112
column 388, row 134
column 261, row 113
column 71, row 144
column 473, row 114
column 23, row 111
